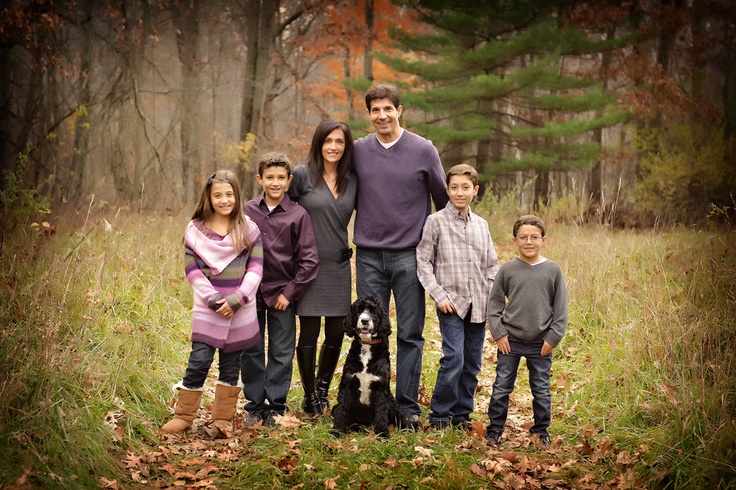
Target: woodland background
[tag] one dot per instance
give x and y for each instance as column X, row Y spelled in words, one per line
column 614, row 121
column 624, row 110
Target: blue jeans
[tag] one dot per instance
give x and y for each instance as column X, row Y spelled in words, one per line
column 539, row 370
column 378, row 272
column 265, row 386
column 200, row 361
column 457, row 378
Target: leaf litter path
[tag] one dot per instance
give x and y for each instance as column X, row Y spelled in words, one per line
column 196, row 460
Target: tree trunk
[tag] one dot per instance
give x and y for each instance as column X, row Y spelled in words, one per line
column 369, row 8
column 187, row 43
column 596, row 173
column 259, row 32
column 74, row 189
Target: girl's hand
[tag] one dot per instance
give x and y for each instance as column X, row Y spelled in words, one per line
column 225, row 310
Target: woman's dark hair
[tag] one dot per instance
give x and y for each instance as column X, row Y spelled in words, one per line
column 315, row 162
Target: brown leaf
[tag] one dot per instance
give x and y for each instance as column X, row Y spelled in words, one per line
column 477, row 427
column 587, row 478
column 111, row 484
column 117, row 434
column 204, row 483
column 207, row 470
column 669, row 391
column 589, row 430
column 604, row 448
column 423, row 451
column 585, row 449
column 391, row 463
column 185, row 475
column 509, row 456
column 330, row 483
column 287, row 464
column 192, row 462
column 287, row 421
column 624, row 458
column 474, row 468
column 132, row 461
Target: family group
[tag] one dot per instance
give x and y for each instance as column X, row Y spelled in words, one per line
column 256, row 267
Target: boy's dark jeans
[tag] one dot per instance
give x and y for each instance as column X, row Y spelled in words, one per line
column 266, row 384
column 539, row 370
column 457, row 377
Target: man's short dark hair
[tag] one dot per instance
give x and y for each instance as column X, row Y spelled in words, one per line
column 383, row 91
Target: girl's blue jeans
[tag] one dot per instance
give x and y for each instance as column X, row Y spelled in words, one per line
column 539, row 371
column 200, row 361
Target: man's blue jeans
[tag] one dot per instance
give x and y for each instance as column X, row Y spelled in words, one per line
column 457, row 377
column 200, row 361
column 270, row 382
column 378, row 272
column 539, row 371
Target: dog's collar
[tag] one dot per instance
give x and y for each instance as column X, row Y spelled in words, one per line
column 374, row 341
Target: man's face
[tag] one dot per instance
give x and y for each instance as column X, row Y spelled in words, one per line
column 385, row 118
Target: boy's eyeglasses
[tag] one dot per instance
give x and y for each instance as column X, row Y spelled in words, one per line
column 533, row 238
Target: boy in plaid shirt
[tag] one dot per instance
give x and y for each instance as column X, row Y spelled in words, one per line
column 456, row 264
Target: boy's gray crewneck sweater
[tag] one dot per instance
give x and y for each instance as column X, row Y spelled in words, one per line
column 537, row 305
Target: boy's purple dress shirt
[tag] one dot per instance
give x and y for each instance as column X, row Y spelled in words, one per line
column 290, row 257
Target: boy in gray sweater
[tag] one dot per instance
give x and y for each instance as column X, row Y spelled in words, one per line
column 530, row 325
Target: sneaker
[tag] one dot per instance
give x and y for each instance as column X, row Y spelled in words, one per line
column 462, row 423
column 254, row 417
column 494, row 438
column 544, row 441
column 439, row 424
column 410, row 417
column 270, row 419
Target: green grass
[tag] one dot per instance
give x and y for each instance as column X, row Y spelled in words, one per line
column 95, row 328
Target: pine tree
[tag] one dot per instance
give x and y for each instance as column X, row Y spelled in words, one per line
column 507, row 84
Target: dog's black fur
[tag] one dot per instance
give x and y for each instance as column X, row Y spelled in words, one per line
column 364, row 397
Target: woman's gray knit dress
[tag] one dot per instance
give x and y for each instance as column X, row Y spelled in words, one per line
column 329, row 294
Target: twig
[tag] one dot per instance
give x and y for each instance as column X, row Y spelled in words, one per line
column 89, row 209
column 80, row 242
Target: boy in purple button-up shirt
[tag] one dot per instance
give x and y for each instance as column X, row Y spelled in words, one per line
column 290, row 262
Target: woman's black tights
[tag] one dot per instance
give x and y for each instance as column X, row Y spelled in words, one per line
column 309, row 327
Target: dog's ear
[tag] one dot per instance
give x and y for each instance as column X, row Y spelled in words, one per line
column 384, row 323
column 348, row 324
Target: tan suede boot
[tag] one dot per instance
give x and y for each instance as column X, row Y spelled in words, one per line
column 185, row 411
column 223, row 410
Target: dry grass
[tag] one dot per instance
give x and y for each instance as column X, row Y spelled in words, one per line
column 95, row 331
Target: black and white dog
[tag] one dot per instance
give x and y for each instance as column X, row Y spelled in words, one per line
column 364, row 397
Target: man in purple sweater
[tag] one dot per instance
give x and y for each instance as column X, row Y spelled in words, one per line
column 399, row 175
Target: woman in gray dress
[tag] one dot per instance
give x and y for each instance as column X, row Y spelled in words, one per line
column 326, row 188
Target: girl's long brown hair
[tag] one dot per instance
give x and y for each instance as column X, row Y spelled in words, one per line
column 237, row 227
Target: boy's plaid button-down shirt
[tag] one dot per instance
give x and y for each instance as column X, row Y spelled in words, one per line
column 456, row 260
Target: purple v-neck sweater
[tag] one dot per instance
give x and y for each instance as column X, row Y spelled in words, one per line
column 396, row 187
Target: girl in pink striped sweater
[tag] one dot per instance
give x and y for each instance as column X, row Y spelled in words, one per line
column 223, row 261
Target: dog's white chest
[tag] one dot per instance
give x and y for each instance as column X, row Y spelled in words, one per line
column 364, row 377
